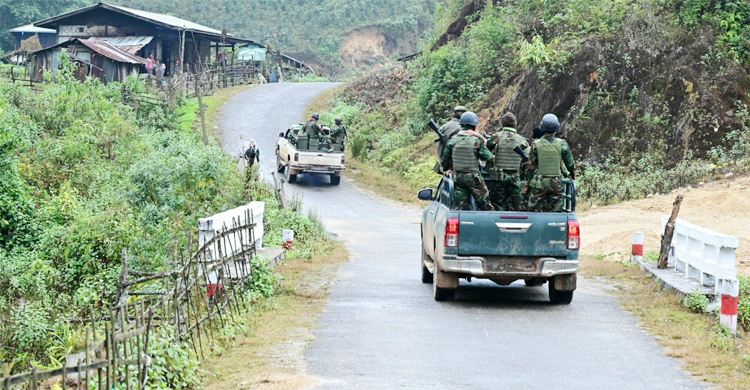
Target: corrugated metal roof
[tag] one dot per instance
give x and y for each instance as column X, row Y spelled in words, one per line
column 167, row 19
column 111, row 52
column 128, row 44
column 30, row 28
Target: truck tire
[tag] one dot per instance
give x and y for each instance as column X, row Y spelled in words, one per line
column 559, row 297
column 444, row 285
column 279, row 165
column 427, row 276
column 290, row 178
column 335, row 180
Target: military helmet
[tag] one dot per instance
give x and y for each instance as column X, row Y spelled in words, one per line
column 338, row 120
column 469, row 118
column 316, row 116
column 550, row 124
column 538, row 133
column 459, row 109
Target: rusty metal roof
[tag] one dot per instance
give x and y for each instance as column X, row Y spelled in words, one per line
column 111, row 52
column 128, row 44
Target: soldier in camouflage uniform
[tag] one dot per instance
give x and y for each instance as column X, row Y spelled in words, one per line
column 504, row 168
column 449, row 130
column 338, row 133
column 461, row 157
column 527, row 174
column 312, row 128
column 547, row 154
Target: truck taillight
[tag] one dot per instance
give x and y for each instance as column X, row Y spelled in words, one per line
column 574, row 235
column 296, row 157
column 451, row 233
column 343, row 160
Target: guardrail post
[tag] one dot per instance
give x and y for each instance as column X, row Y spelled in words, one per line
column 637, row 251
column 287, row 238
column 730, row 292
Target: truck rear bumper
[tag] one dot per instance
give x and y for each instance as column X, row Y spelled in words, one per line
column 318, row 169
column 483, row 267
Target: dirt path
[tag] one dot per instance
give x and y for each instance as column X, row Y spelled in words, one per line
column 723, row 206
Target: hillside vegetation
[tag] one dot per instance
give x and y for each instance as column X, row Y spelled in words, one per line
column 332, row 35
column 652, row 94
column 83, row 177
column 14, row 13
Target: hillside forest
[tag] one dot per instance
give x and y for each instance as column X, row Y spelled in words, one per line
column 652, row 94
column 333, row 36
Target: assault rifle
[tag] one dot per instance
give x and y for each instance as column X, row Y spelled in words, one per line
column 434, row 127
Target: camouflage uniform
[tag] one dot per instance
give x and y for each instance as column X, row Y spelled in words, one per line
column 546, row 157
column 313, row 128
column 338, row 132
column 449, row 129
column 505, row 187
column 462, row 155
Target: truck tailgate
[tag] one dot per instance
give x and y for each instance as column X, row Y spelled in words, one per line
column 500, row 233
column 320, row 158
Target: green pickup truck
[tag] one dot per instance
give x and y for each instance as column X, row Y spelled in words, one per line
column 503, row 246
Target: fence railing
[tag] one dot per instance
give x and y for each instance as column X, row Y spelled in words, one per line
column 200, row 292
column 702, row 254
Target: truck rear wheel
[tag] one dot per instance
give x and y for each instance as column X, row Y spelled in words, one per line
column 335, row 180
column 444, row 285
column 558, row 297
column 279, row 165
column 290, row 178
column 427, row 276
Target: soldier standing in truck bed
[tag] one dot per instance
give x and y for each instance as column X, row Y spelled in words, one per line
column 547, row 154
column 461, row 157
column 506, row 185
column 449, row 129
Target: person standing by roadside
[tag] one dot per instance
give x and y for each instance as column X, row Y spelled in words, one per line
column 449, row 130
column 150, row 65
column 547, row 154
column 505, row 185
column 461, row 157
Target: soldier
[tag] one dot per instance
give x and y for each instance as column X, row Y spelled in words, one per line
column 338, row 132
column 312, row 128
column 527, row 173
column 504, row 168
column 547, row 153
column 449, row 130
column 462, row 155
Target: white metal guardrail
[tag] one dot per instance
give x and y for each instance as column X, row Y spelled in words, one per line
column 703, row 254
column 240, row 218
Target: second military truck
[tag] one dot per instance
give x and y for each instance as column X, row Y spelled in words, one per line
column 503, row 246
column 300, row 153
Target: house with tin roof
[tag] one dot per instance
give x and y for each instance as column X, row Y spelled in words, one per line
column 111, row 41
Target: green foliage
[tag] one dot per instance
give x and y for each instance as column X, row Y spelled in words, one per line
column 14, row 13
column 174, row 364
column 743, row 309
column 264, row 279
column 534, row 53
column 696, row 302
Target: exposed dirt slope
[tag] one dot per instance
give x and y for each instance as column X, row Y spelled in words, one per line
column 723, row 206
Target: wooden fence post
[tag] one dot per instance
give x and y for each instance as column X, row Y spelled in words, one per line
column 666, row 240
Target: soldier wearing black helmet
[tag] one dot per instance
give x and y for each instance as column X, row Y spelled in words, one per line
column 547, row 155
column 312, row 128
column 338, row 132
column 461, row 157
column 449, row 129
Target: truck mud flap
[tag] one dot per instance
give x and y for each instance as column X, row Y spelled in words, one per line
column 565, row 282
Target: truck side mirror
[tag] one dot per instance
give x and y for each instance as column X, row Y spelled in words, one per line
column 281, row 135
column 425, row 194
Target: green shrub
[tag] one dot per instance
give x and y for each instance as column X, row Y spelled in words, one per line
column 696, row 302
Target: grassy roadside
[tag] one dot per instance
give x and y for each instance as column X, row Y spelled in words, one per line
column 189, row 118
column 270, row 353
column 708, row 352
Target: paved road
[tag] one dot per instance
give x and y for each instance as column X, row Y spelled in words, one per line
column 382, row 329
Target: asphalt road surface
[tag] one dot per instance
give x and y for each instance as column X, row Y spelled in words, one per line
column 383, row 330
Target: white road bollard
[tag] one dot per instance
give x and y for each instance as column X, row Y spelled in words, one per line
column 637, row 251
column 730, row 300
column 287, row 236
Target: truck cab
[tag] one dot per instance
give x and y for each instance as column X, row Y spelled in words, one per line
column 503, row 246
